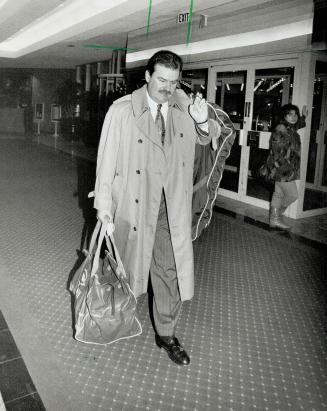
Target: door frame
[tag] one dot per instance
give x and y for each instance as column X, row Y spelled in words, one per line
column 321, row 150
column 308, row 64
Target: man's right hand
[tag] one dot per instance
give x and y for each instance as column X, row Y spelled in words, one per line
column 103, row 216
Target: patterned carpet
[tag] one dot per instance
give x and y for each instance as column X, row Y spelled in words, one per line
column 255, row 330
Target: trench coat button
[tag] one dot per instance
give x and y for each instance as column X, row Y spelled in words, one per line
column 134, row 228
column 136, row 200
column 140, row 140
column 138, row 172
column 181, row 135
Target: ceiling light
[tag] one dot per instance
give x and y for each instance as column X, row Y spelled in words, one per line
column 258, row 85
column 3, row 2
column 54, row 27
column 276, row 84
column 189, row 85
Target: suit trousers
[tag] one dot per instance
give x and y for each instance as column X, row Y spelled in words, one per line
column 166, row 297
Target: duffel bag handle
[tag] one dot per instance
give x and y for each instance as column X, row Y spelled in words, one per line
column 95, row 263
column 107, row 229
column 120, row 266
column 94, row 237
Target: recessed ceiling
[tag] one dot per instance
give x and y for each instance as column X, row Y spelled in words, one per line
column 54, row 33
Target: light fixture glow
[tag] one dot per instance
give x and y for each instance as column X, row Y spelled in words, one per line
column 2, row 3
column 276, row 33
column 227, row 86
column 275, row 84
column 258, row 85
column 55, row 25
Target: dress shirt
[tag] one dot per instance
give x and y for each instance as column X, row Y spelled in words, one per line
column 154, row 108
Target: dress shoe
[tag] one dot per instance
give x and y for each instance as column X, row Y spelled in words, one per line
column 174, row 350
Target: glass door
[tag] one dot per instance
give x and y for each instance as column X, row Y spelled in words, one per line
column 272, row 88
column 251, row 95
column 321, row 175
column 230, row 95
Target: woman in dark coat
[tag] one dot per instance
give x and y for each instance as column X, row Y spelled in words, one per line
column 283, row 162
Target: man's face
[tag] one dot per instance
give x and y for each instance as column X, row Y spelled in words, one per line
column 162, row 83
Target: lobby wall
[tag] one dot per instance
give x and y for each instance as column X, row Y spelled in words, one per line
column 20, row 90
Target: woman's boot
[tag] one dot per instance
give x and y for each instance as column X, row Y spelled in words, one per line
column 275, row 220
column 282, row 210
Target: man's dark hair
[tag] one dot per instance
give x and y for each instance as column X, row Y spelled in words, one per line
column 165, row 58
column 287, row 108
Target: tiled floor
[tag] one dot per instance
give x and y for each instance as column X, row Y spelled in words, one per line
column 16, row 386
column 255, row 328
column 310, row 228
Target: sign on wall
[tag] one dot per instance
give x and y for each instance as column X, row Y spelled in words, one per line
column 39, row 111
column 55, row 112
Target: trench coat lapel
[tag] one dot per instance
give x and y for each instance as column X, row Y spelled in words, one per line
column 143, row 117
column 144, row 120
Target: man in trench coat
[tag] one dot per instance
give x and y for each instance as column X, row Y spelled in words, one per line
column 144, row 185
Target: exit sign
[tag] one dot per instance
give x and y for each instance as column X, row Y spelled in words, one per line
column 183, row 17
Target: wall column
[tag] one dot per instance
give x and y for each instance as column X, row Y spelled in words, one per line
column 78, row 74
column 88, row 77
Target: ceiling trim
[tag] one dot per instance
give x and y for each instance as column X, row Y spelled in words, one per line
column 268, row 35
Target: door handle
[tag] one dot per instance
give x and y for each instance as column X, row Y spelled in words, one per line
column 247, row 109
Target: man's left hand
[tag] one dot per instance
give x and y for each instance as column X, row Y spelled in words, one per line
column 199, row 109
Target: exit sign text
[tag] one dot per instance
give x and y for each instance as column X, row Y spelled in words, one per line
column 183, row 17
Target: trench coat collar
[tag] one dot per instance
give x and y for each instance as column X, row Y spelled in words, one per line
column 144, row 121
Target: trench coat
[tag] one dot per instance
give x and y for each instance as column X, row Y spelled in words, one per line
column 133, row 169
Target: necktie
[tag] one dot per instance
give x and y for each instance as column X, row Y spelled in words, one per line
column 160, row 123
